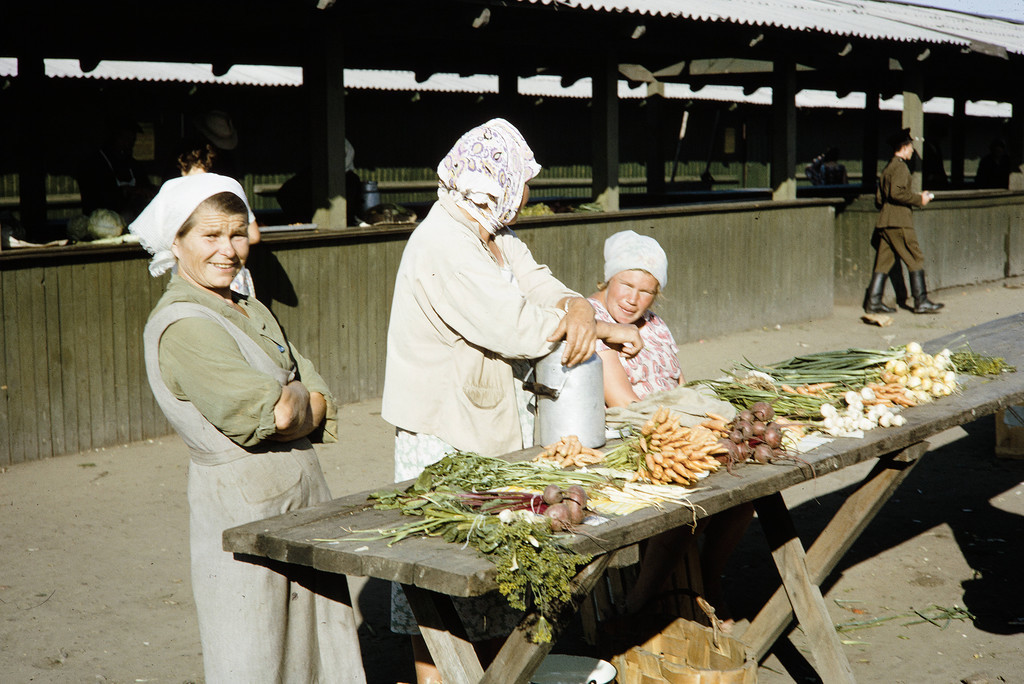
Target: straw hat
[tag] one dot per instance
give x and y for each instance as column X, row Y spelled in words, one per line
column 218, row 129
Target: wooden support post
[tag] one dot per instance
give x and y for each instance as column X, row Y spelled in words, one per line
column 606, row 133
column 1016, row 145
column 655, row 114
column 323, row 77
column 441, row 628
column 958, row 142
column 783, row 174
column 804, row 595
column 508, row 90
column 30, row 84
column 913, row 118
column 869, row 151
column 835, row 540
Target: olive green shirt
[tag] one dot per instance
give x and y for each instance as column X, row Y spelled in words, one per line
column 201, row 363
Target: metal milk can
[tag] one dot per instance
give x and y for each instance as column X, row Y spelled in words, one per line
column 570, row 401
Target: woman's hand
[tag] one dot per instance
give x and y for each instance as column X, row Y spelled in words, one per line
column 621, row 336
column 579, row 329
column 297, row 412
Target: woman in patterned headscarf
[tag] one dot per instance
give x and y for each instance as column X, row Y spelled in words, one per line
column 471, row 306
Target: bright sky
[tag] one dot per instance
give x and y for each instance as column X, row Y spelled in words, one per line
column 1006, row 9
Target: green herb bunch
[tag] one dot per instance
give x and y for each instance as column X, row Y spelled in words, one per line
column 966, row 360
column 532, row 563
column 455, row 500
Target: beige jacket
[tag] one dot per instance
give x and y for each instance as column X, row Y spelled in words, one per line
column 455, row 320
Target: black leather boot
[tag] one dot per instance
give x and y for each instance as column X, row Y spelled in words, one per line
column 919, row 292
column 873, row 298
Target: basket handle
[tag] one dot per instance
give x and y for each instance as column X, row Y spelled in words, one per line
column 709, row 610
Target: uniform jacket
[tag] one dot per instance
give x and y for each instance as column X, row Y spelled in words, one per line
column 896, row 196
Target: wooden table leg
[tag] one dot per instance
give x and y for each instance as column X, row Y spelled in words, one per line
column 804, row 595
column 519, row 657
column 835, row 540
column 441, row 628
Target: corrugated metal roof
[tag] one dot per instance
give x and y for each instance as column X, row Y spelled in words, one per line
column 238, row 74
column 534, row 86
column 856, row 18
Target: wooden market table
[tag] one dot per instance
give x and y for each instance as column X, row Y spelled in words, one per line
column 432, row 570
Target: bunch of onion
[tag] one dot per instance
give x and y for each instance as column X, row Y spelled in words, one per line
column 857, row 417
column 926, row 377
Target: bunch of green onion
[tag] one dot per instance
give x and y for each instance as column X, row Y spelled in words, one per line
column 850, row 367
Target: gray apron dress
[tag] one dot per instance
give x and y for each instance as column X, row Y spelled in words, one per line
column 258, row 621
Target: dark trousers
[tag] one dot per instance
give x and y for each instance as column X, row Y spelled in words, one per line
column 901, row 242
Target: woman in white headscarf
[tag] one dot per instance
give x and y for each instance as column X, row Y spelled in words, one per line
column 635, row 270
column 247, row 404
column 471, row 306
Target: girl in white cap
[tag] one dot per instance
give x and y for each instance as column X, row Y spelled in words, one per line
column 635, row 270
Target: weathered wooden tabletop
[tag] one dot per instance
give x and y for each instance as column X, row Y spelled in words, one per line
column 432, row 568
column 447, row 568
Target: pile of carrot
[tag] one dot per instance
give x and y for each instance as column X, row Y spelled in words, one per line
column 569, row 452
column 817, row 389
column 676, row 454
column 889, row 394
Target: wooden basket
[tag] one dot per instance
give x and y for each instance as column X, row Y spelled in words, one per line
column 684, row 652
column 1010, row 432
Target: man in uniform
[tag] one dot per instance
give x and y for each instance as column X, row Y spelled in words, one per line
column 894, row 230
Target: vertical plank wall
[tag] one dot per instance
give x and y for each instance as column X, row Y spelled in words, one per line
column 71, row 348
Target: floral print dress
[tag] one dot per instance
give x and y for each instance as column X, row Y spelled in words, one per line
column 656, row 367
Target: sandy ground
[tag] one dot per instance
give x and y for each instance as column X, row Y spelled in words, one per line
column 94, row 582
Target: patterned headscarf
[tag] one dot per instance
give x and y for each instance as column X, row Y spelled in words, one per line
column 486, row 173
column 159, row 223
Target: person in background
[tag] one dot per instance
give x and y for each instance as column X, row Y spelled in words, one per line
column 995, row 168
column 826, row 169
column 894, row 230
column 248, row 406
column 933, row 170
column 199, row 157
column 110, row 177
column 295, row 195
column 635, row 270
column 471, row 306
column 217, row 128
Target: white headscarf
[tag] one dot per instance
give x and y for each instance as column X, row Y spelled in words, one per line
column 486, row 173
column 161, row 220
column 628, row 251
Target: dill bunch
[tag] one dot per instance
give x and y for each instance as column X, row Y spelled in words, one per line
column 966, row 360
column 532, row 563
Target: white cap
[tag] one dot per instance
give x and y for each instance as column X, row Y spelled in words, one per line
column 628, row 251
